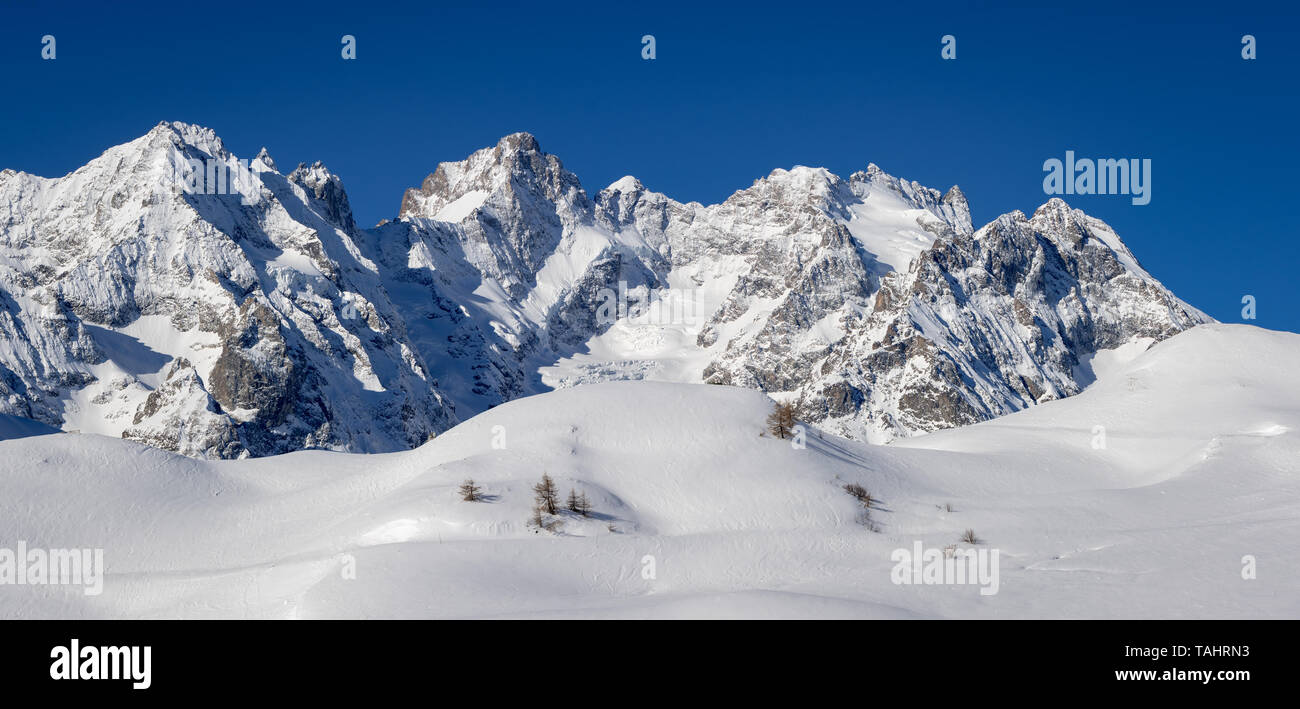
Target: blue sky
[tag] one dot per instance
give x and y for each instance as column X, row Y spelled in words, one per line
column 736, row 90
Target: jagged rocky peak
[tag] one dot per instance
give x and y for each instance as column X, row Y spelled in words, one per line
column 264, row 157
column 873, row 176
column 1060, row 222
column 951, row 207
column 180, row 135
column 623, row 194
column 515, row 169
column 785, row 203
column 956, row 199
column 313, row 176
column 618, row 201
column 628, row 206
column 326, row 187
column 626, row 184
column 1056, row 219
column 510, row 207
column 801, row 179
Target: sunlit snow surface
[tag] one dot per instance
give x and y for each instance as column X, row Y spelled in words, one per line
column 1200, row 467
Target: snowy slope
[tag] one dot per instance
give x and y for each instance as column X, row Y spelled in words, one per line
column 18, row 427
column 1199, row 469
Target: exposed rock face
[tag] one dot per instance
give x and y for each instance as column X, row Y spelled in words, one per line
column 180, row 416
column 987, row 324
column 264, row 321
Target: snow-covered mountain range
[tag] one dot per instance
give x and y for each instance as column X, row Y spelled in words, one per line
column 264, row 320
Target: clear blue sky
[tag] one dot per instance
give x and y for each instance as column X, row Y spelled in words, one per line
column 737, row 89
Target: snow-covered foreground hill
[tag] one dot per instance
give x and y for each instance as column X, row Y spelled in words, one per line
column 1200, row 467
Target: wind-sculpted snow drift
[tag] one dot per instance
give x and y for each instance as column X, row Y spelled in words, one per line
column 266, row 321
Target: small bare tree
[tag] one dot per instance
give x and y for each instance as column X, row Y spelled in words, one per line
column 781, row 421
column 541, row 521
column 547, row 497
column 860, row 494
column 579, row 503
column 469, row 492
